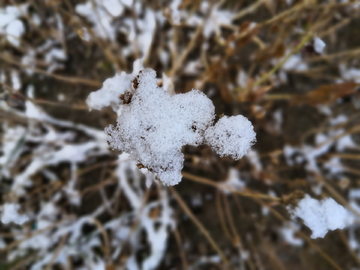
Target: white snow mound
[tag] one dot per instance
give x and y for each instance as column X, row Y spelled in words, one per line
column 154, row 126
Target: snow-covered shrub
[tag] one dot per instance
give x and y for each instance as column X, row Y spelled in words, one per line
column 68, row 201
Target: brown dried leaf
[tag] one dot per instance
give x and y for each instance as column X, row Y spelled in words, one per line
column 253, row 94
column 275, row 51
column 244, row 34
column 325, row 94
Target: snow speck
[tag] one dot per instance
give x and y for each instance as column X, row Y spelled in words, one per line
column 319, row 45
column 350, row 74
column 288, row 234
column 233, row 181
column 322, row 216
column 15, row 79
column 295, row 63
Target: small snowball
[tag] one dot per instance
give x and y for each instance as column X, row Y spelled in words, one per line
column 322, row 216
column 319, row 45
column 231, row 136
column 10, row 214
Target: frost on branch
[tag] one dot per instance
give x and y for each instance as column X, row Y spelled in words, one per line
column 154, row 126
column 110, row 93
column 112, row 89
column 322, row 216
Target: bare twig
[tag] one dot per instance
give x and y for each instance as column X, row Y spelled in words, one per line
column 204, row 231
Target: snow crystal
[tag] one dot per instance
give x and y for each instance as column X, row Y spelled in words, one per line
column 231, row 136
column 10, row 214
column 155, row 125
column 322, row 216
column 319, row 45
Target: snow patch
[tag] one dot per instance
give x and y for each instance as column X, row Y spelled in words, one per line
column 322, row 216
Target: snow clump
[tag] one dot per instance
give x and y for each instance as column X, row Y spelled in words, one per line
column 11, row 214
column 231, row 136
column 153, row 127
column 322, row 216
column 112, row 89
column 319, row 45
column 110, row 93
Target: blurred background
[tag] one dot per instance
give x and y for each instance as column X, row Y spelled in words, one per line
column 70, row 202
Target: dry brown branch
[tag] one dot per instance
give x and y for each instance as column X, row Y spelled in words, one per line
column 17, row 242
column 304, row 236
column 57, row 252
column 181, row 250
column 337, row 195
column 201, row 227
column 73, row 80
column 107, row 245
column 223, row 187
